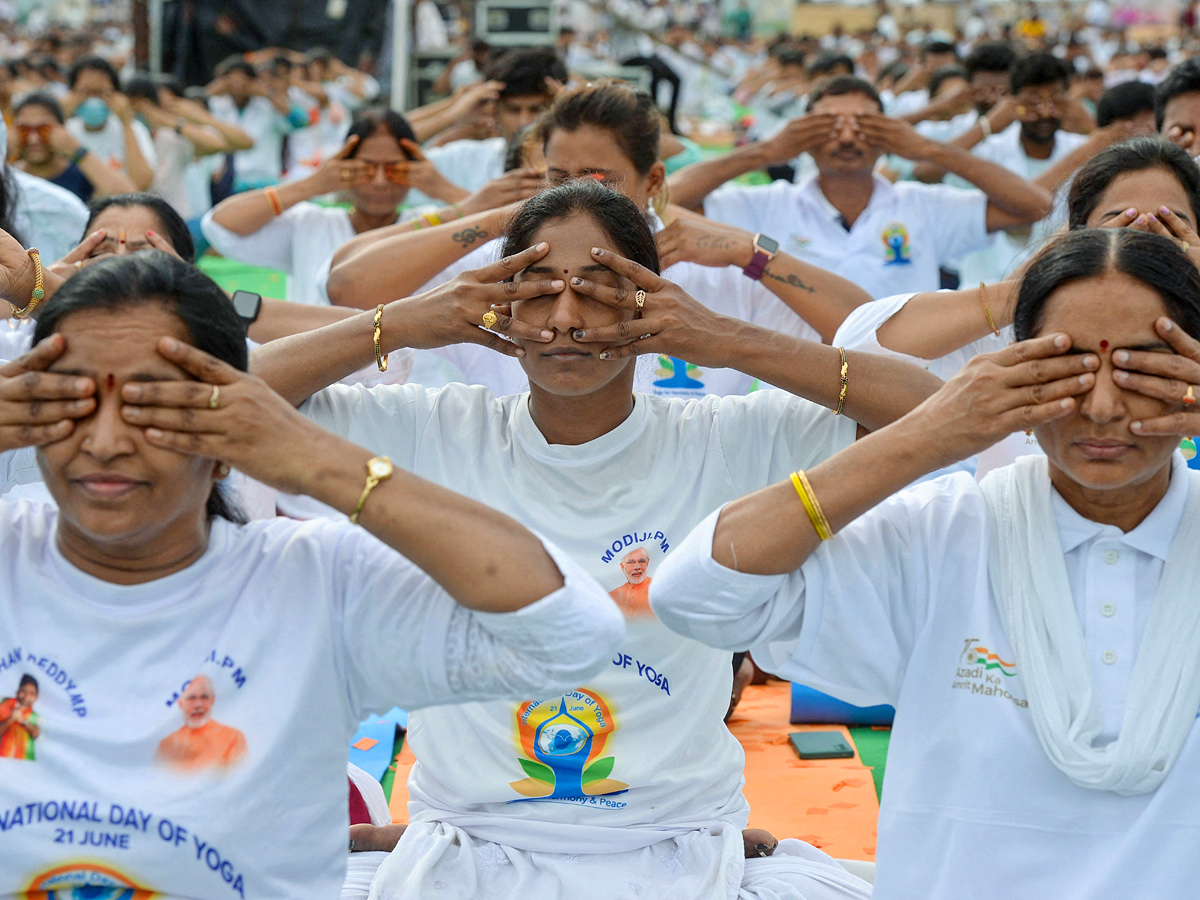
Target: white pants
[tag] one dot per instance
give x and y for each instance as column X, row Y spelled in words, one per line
column 435, row 861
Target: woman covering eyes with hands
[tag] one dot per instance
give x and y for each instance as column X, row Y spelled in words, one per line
column 200, row 648
column 587, row 792
column 1036, row 632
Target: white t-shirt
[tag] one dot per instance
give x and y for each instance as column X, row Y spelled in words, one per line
column 47, row 216
column 108, row 142
column 302, row 629
column 725, row 290
column 897, row 608
column 860, row 331
column 300, row 242
column 655, row 760
column 467, row 163
column 897, row 243
column 175, row 153
column 262, row 163
column 1007, row 250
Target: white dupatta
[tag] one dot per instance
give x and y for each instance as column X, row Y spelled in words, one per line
column 1029, row 581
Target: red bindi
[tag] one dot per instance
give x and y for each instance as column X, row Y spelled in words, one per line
column 564, row 271
column 110, row 381
column 1104, row 345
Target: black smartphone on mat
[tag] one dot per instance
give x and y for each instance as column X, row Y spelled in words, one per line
column 821, row 745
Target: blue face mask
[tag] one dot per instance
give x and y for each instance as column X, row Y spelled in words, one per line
column 93, row 112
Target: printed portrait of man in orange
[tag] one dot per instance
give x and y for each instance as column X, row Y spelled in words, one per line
column 201, row 743
column 18, row 722
column 634, row 596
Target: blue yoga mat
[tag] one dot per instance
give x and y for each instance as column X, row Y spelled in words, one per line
column 811, row 707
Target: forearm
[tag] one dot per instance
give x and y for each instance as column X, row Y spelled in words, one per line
column 139, row 170
column 691, row 184
column 1058, row 173
column 279, row 319
column 508, row 567
column 365, row 268
column 247, row 212
column 932, row 325
column 930, row 172
column 1009, row 192
column 105, row 181
column 235, row 138
column 769, row 533
column 206, row 140
column 880, row 390
column 434, row 123
column 298, row 366
column 820, row 298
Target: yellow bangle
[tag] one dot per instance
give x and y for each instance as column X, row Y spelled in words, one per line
column 987, row 312
column 39, row 286
column 381, row 359
column 816, row 515
column 845, row 374
column 433, row 218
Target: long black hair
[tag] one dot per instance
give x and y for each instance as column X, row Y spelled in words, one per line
column 617, row 215
column 1135, row 155
column 1155, row 261
column 151, row 276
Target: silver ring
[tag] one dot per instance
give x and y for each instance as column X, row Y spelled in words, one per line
column 644, row 336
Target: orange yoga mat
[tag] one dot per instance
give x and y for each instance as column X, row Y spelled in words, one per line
column 831, row 804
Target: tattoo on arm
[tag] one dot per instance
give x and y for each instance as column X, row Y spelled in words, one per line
column 714, row 242
column 470, row 235
column 790, row 279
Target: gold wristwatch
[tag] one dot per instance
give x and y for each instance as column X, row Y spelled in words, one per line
column 379, row 469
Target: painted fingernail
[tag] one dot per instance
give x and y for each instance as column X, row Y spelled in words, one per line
column 1140, row 220
column 557, row 284
column 150, row 233
column 596, row 251
column 576, row 282
column 1131, row 212
column 1164, row 210
column 1121, row 356
column 578, row 335
column 605, row 355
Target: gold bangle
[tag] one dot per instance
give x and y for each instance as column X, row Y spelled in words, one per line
column 433, row 218
column 987, row 312
column 816, row 515
column 845, row 381
column 272, row 196
column 379, row 469
column 39, row 286
column 381, row 359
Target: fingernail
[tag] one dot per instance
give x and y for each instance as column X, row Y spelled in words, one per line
column 605, row 355
column 1141, row 220
column 1152, row 218
column 1086, row 378
column 1121, row 356
column 1168, row 325
column 171, row 344
column 557, row 284
column 154, row 434
column 1131, row 212
column 1135, row 426
column 1061, row 341
column 1120, row 376
column 82, row 404
column 576, row 282
column 548, row 335
column 150, row 233
column 542, row 247
column 82, row 384
column 1164, row 210
column 132, row 392
column 520, row 352
column 1065, row 404
column 596, row 251
column 1091, row 362
column 131, row 412
column 578, row 335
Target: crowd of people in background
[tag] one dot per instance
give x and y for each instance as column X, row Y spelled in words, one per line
column 905, row 295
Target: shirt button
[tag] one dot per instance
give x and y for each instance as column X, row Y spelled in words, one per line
column 1107, row 609
column 1109, row 657
column 1111, row 556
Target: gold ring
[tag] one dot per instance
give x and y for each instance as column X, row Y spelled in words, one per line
column 489, row 319
column 79, row 265
column 1184, row 245
column 1189, row 398
column 215, row 400
column 640, row 299
column 345, row 175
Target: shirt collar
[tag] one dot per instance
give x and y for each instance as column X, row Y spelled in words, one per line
column 1152, row 536
column 810, row 190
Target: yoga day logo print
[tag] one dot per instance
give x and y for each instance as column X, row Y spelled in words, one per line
column 85, row 881
column 896, row 248
column 675, row 373
column 563, row 741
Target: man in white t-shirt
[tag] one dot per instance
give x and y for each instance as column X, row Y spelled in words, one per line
column 261, row 108
column 103, row 122
column 883, row 237
column 529, row 78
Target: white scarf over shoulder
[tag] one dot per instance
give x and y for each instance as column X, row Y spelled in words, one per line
column 1029, row 581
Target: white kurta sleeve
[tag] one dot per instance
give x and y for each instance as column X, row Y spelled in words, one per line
column 860, row 330
column 270, row 246
column 847, row 620
column 406, row 642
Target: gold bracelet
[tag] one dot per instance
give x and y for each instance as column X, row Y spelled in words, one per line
column 845, row 381
column 272, row 196
column 433, row 218
column 380, row 358
column 987, row 312
column 39, row 286
column 816, row 515
column 379, row 469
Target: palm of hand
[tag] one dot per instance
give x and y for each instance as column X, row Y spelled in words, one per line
column 15, row 266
